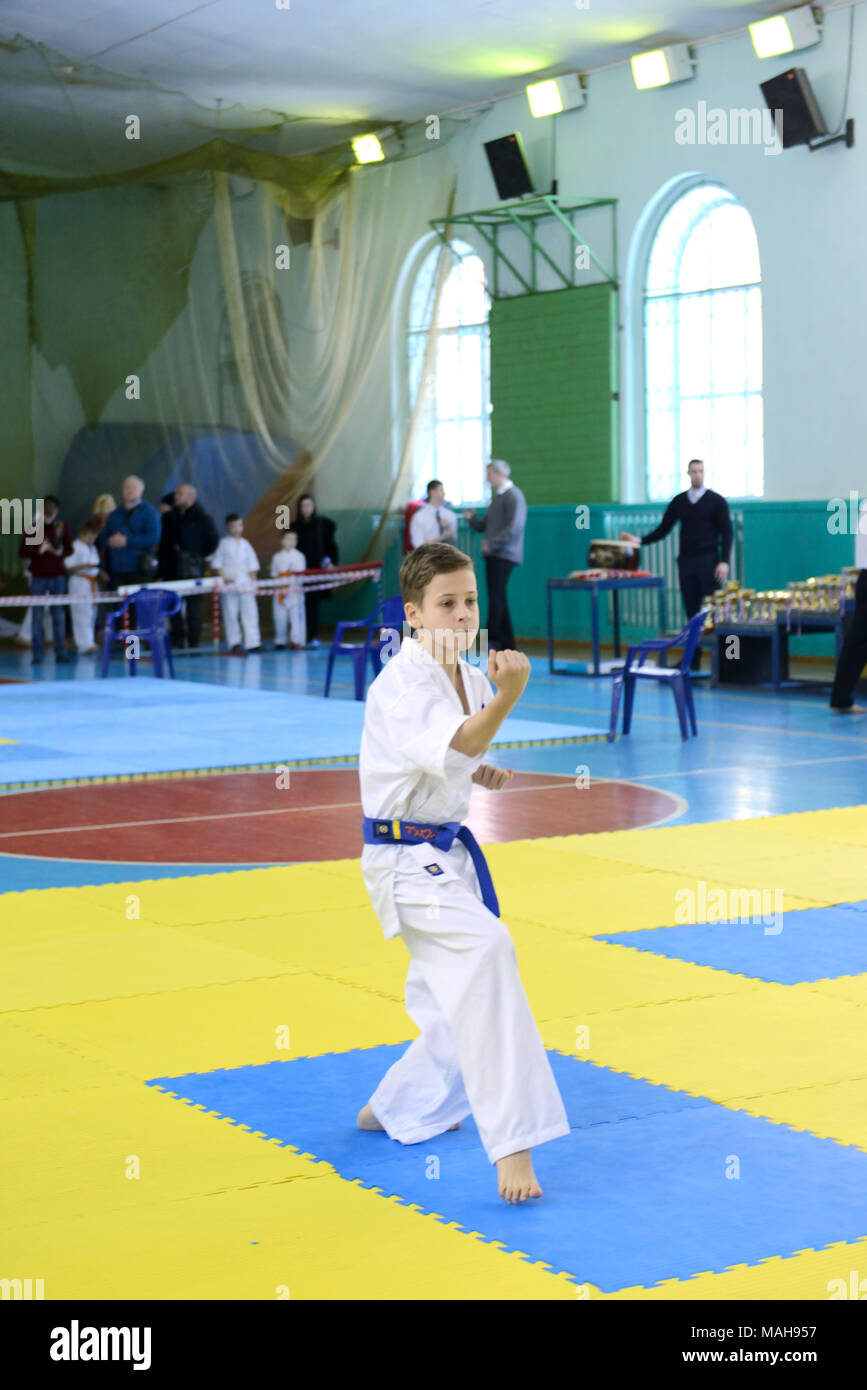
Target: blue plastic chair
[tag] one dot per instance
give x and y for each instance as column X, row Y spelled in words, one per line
column 676, row 677
column 152, row 607
column 389, row 615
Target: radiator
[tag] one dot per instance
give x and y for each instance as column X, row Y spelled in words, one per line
column 638, row 607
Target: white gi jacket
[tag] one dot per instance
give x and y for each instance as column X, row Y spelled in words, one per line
column 236, row 559
column 83, row 554
column 286, row 562
column 406, row 768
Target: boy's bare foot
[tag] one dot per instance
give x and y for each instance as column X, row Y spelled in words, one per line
column 367, row 1120
column 517, row 1181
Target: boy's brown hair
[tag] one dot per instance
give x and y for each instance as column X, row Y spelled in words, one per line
column 422, row 564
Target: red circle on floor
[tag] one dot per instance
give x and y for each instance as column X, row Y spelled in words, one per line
column 248, row 818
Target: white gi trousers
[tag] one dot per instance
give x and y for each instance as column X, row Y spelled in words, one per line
column 83, row 614
column 290, row 611
column 245, row 606
column 480, row 1051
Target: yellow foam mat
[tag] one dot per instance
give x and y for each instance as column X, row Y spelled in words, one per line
column 221, row 970
column 132, row 1148
column 759, row 1039
column 230, row 1026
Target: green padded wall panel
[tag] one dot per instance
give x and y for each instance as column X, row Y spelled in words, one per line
column 551, row 393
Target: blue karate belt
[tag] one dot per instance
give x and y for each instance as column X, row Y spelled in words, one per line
column 413, row 832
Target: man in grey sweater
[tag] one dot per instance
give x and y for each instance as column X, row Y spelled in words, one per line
column 503, row 548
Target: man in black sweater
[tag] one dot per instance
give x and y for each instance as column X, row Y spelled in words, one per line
column 705, row 540
column 189, row 536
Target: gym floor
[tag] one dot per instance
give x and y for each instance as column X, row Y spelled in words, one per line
column 198, row 999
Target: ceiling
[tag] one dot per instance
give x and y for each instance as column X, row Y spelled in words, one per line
column 298, row 79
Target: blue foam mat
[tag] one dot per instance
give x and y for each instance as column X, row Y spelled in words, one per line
column 635, row 1194
column 19, row 874
column 813, row 943
column 140, row 724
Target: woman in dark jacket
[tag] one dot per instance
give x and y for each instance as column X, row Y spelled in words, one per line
column 319, row 548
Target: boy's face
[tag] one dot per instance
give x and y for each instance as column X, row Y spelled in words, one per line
column 235, row 528
column 289, row 541
column 449, row 606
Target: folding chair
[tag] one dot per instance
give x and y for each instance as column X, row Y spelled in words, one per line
column 152, row 607
column 677, row 678
column 392, row 617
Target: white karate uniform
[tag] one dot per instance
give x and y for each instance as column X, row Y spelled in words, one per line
column 236, row 559
column 83, row 614
column 431, row 523
column 480, row 1051
column 26, row 629
column 288, row 604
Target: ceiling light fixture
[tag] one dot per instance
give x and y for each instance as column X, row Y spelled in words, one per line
column 783, row 33
column 367, row 149
column 661, row 66
column 555, row 94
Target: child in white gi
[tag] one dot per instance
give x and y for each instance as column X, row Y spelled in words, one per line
column 83, row 567
column 429, row 719
column 236, row 562
column 288, row 603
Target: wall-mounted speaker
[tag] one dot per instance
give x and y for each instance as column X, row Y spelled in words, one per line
column 792, row 94
column 508, row 166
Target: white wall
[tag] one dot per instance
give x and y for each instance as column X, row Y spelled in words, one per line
column 810, row 213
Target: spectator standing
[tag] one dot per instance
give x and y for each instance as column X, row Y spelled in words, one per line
column 130, row 536
column 189, row 536
column 853, row 653
column 705, row 540
column 502, row 547
column 433, row 521
column 103, row 506
column 288, row 603
column 235, row 561
column 48, row 576
column 83, row 569
column 317, row 543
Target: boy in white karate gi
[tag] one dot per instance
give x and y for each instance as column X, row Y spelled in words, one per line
column 83, row 568
column 288, row 603
column 429, row 719
column 236, row 562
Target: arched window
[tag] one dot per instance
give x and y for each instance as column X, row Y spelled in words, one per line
column 452, row 436
column 703, row 347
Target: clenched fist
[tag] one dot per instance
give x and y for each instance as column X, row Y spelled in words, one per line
column 509, row 672
column 486, row 775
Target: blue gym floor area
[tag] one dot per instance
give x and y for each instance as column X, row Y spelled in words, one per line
column 756, row 754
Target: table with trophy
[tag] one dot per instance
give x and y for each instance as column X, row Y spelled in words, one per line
column 763, row 621
column 612, row 568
